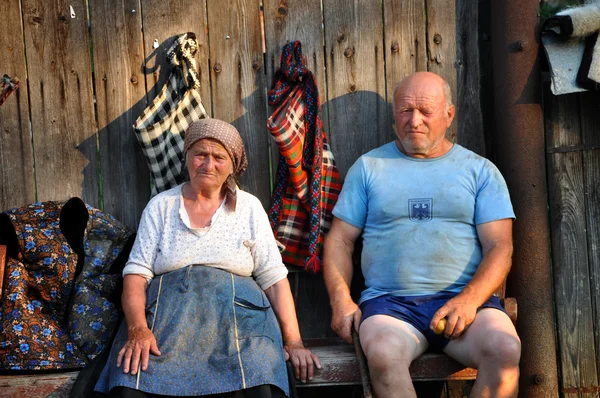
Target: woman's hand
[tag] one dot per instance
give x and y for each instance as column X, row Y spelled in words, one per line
column 303, row 360
column 140, row 343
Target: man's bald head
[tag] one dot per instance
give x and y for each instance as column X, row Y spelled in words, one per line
column 426, row 77
column 423, row 112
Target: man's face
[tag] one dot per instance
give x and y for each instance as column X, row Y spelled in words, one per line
column 421, row 116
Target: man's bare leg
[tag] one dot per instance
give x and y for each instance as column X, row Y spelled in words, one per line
column 390, row 346
column 490, row 345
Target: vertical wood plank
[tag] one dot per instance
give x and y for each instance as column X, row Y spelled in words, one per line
column 590, row 122
column 238, row 84
column 312, row 306
column 287, row 21
column 486, row 81
column 469, row 122
column 162, row 21
column 120, row 98
column 358, row 111
column 405, row 43
column 430, row 389
column 591, row 164
column 16, row 152
column 60, row 83
column 441, row 44
column 459, row 389
column 290, row 20
column 570, row 252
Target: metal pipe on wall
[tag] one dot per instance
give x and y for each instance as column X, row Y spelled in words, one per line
column 520, row 155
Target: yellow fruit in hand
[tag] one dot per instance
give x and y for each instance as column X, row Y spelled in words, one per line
column 440, row 327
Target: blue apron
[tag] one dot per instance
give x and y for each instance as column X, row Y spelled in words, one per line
column 216, row 332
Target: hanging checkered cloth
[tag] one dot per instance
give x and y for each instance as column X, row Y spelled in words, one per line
column 161, row 128
column 307, row 183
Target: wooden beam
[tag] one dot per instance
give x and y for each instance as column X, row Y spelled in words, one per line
column 60, row 83
column 238, row 84
column 120, row 99
column 16, row 151
column 358, row 112
column 574, row 312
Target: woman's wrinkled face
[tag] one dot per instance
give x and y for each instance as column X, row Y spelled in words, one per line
column 208, row 164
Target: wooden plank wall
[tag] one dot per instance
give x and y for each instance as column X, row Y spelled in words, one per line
column 573, row 147
column 16, row 151
column 68, row 130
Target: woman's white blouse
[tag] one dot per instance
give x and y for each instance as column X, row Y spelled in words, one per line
column 240, row 242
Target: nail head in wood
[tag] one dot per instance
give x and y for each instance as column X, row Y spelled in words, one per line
column 523, row 44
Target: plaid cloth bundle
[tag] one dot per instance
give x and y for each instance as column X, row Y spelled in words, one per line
column 161, row 128
column 308, row 183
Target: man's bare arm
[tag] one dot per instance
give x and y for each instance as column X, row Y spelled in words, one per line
column 337, row 272
column 496, row 242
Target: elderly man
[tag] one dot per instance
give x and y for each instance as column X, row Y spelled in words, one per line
column 436, row 221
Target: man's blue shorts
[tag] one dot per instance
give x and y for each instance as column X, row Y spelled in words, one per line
column 418, row 311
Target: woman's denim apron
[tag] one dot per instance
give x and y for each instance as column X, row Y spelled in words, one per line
column 216, row 332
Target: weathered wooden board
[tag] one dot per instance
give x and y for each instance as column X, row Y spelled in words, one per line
column 591, row 165
column 441, row 44
column 60, row 83
column 469, row 119
column 43, row 386
column 163, row 20
column 16, row 153
column 486, row 80
column 459, row 389
column 238, row 84
column 590, row 122
column 341, row 366
column 358, row 111
column 287, row 21
column 312, row 302
column 118, row 53
column 563, row 129
column 570, row 253
column 405, row 36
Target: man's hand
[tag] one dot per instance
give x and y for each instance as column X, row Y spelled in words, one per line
column 459, row 313
column 346, row 315
column 303, row 359
column 140, row 343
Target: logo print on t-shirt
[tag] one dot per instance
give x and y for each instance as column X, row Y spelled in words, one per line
column 420, row 209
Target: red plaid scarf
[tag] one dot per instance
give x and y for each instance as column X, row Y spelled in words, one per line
column 307, row 183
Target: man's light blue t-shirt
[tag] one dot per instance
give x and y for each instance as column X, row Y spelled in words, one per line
column 419, row 218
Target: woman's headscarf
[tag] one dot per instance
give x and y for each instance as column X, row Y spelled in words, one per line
column 230, row 138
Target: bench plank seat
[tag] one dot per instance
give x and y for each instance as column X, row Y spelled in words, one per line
column 340, row 365
column 338, row 359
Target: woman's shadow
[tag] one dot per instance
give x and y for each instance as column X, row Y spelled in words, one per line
column 122, row 176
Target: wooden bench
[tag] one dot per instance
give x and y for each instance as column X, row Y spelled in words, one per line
column 340, row 365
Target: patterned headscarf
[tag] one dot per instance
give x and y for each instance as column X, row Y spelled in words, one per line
column 228, row 136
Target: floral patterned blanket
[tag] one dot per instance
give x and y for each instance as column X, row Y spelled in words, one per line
column 60, row 304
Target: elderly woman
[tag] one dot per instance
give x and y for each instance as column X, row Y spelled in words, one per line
column 205, row 287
